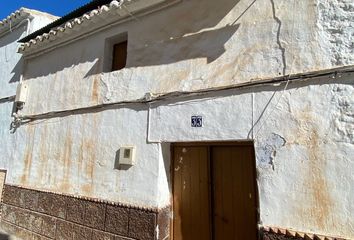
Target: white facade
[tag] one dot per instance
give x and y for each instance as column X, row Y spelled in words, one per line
column 14, row 27
column 303, row 130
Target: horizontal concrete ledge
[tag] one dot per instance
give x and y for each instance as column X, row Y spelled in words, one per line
column 180, row 95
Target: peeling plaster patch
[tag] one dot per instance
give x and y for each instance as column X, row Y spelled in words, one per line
column 267, row 151
column 344, row 117
column 336, row 19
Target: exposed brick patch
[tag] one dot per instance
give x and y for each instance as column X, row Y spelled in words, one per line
column 52, row 204
column 95, row 215
column 117, row 220
column 142, row 224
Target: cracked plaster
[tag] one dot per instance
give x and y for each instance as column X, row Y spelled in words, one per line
column 241, row 42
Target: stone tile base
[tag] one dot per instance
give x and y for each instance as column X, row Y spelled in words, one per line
column 32, row 214
column 276, row 236
column 274, row 233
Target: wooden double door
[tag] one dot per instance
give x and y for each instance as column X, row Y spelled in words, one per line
column 214, row 192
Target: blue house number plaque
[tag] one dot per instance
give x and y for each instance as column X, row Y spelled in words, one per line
column 197, row 121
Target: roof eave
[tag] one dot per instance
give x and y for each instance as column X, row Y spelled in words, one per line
column 14, row 19
column 18, row 16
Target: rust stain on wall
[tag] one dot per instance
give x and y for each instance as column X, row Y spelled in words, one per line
column 91, row 146
column 95, row 89
column 87, row 156
column 87, row 189
column 96, row 82
column 317, row 182
column 81, row 154
column 43, row 155
column 91, row 156
column 319, row 201
column 225, row 71
column 28, row 155
column 173, row 81
column 66, row 160
column 88, row 153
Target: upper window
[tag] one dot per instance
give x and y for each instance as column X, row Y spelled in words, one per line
column 119, row 55
column 115, row 52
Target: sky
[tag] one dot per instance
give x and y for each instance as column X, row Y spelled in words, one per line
column 55, row 7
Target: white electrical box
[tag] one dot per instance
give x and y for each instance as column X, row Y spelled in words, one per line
column 127, row 155
column 21, row 93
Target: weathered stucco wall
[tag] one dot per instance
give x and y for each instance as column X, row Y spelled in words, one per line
column 11, row 61
column 303, row 139
column 303, row 136
column 304, row 146
column 240, row 42
column 7, row 141
column 77, row 155
column 11, row 64
column 11, row 67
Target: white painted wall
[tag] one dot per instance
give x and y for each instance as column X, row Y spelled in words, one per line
column 304, row 139
column 11, row 67
column 11, row 64
column 77, row 155
column 183, row 49
column 304, row 146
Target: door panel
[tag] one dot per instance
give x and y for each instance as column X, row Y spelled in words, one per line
column 191, row 194
column 214, row 193
column 235, row 215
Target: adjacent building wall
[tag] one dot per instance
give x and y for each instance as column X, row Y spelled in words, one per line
column 303, row 131
column 11, row 69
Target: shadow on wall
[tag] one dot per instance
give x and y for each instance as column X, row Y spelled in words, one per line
column 166, row 155
column 190, row 16
column 162, row 48
column 11, row 37
column 208, row 44
column 17, row 71
column 77, row 56
column 5, row 42
column 4, row 236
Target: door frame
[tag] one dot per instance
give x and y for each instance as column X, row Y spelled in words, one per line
column 210, row 144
